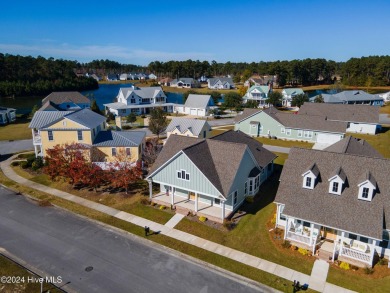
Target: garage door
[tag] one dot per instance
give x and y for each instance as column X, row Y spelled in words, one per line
column 194, row 112
column 328, row 138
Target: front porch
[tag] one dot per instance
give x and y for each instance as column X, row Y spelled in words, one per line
column 184, row 204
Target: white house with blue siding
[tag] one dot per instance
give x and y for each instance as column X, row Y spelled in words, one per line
column 210, row 177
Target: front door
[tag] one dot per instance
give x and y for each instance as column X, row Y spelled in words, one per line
column 330, row 234
column 192, row 195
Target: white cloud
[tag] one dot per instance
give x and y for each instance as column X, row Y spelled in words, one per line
column 91, row 52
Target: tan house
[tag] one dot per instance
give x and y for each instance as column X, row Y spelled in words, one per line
column 189, row 127
column 50, row 128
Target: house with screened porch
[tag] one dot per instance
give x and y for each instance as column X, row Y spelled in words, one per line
column 335, row 202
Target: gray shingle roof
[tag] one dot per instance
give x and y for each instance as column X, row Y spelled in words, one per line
column 354, row 146
column 44, row 118
column 119, row 138
column 61, row 97
column 214, row 156
column 198, row 101
column 261, row 155
column 342, row 112
column 213, row 81
column 248, row 112
column 183, row 124
column 344, row 211
column 311, row 122
column 350, row 96
column 143, row 92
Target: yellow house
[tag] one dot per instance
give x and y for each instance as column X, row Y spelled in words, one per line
column 189, row 127
column 50, row 128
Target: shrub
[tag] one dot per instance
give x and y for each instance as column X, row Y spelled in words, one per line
column 24, row 164
column 273, row 221
column 382, row 261
column 162, row 207
column 145, row 201
column 228, row 224
column 30, row 160
column 143, row 116
column 15, row 163
column 368, row 270
column 202, row 219
column 249, row 199
column 37, row 164
column 344, row 266
column 286, row 244
column 293, row 247
column 303, row 251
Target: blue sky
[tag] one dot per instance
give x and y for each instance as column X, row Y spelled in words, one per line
column 133, row 32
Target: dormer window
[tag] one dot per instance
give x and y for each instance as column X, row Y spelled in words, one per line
column 337, row 181
column 367, row 187
column 310, row 176
column 308, row 182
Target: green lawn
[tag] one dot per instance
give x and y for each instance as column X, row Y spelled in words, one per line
column 285, row 143
column 9, row 268
column 380, row 141
column 16, row 131
column 130, row 203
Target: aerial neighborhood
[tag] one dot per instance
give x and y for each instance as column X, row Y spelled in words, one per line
column 257, row 168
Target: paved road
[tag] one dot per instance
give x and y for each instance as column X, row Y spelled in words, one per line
column 11, row 147
column 61, row 244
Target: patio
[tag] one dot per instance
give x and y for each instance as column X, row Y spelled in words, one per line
column 213, row 213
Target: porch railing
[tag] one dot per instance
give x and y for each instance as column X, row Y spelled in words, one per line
column 37, row 139
column 300, row 238
column 355, row 254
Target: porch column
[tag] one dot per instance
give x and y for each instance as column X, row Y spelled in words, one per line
column 223, row 210
column 196, row 202
column 341, row 242
column 277, row 215
column 173, row 196
column 150, row 189
column 314, row 240
column 286, row 229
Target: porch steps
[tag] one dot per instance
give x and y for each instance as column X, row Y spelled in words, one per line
column 181, row 210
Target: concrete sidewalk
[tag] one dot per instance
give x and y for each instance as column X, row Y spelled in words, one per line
column 318, row 281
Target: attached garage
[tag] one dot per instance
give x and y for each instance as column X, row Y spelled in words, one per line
column 328, row 138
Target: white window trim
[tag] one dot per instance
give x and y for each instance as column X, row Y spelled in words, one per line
column 185, row 175
column 300, row 132
column 50, row 134
column 282, row 130
column 339, row 181
column 112, row 152
column 288, row 131
column 234, row 193
column 80, row 134
column 313, row 178
column 371, row 190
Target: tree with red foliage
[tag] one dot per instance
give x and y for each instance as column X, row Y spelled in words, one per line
column 123, row 171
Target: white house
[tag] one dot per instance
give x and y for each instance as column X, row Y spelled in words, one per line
column 139, row 101
column 184, row 82
column 220, row 83
column 359, row 118
column 189, row 127
column 152, row 76
column 197, row 105
column 385, row 97
column 288, row 95
column 123, row 76
column 337, row 196
column 258, row 93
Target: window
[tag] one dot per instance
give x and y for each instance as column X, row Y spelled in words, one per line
column 132, row 101
column 123, row 111
column 128, row 152
column 288, row 131
column 335, row 187
column 282, row 130
column 217, row 201
column 182, row 174
column 79, row 135
column 204, row 133
column 250, row 185
column 308, row 182
column 50, row 135
column 363, row 239
column 246, row 188
column 365, row 192
column 235, row 196
column 352, row 236
column 299, row 133
column 308, row 134
column 113, row 152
